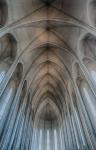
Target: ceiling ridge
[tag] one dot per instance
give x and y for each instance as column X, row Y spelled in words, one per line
column 48, row 2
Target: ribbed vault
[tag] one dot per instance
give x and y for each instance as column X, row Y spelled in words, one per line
column 47, row 75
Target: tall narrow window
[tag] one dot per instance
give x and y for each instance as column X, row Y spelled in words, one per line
column 55, row 140
column 91, row 66
column 89, row 101
column 7, row 98
column 61, row 142
column 4, row 66
column 48, row 140
column 93, row 73
column 40, row 140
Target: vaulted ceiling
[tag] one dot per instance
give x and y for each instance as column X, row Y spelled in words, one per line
column 48, row 35
column 48, row 74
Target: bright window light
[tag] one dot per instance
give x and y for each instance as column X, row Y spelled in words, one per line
column 55, row 139
column 48, row 140
column 40, row 141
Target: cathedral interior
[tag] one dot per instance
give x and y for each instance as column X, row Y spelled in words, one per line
column 47, row 74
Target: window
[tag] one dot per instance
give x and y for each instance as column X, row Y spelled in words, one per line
column 48, row 140
column 89, row 102
column 2, row 75
column 93, row 74
column 55, row 140
column 40, row 140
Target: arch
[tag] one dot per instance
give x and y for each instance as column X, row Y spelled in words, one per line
column 18, row 71
column 43, row 104
column 8, row 46
column 87, row 46
column 8, row 50
column 23, row 93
